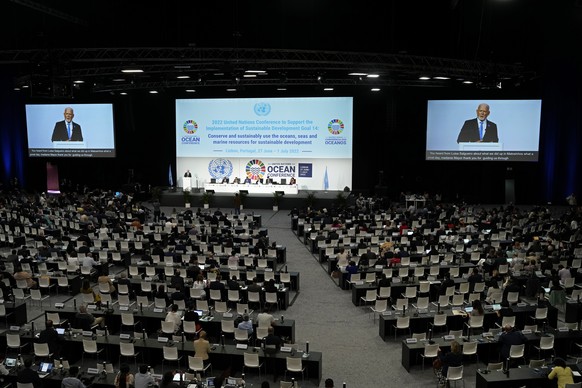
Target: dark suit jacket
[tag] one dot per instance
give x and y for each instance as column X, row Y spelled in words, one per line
column 470, row 132
column 60, row 132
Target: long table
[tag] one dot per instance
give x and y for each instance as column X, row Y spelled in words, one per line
column 151, row 319
column 419, row 323
column 488, row 347
column 251, row 188
column 221, row 357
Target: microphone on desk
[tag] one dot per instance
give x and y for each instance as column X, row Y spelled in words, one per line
column 222, row 340
column 141, row 308
column 307, row 347
column 32, row 327
column 107, row 305
column 438, row 307
column 344, row 385
column 75, row 304
column 143, row 335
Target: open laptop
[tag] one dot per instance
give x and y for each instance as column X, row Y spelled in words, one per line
column 45, row 369
column 468, row 309
column 60, row 330
column 496, row 307
column 10, row 362
column 210, row 381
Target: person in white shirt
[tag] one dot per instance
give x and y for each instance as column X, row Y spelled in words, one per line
column 265, row 319
column 174, row 317
column 143, row 379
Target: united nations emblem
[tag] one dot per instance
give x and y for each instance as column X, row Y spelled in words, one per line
column 262, row 108
column 220, row 168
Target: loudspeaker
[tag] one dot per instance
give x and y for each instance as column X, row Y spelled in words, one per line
column 243, row 192
column 210, row 191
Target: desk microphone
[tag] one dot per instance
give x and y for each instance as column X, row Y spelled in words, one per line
column 438, row 307
column 403, row 310
column 141, row 308
column 75, row 304
column 32, row 327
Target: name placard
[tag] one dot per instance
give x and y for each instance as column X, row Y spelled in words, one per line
column 163, row 339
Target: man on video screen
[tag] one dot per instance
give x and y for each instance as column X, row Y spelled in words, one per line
column 479, row 129
column 67, row 130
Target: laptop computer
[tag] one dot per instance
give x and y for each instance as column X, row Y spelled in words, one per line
column 496, row 307
column 468, row 309
column 60, row 330
column 10, row 362
column 210, row 381
column 45, row 369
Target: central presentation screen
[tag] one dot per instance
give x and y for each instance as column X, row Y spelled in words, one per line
column 308, row 139
column 481, row 130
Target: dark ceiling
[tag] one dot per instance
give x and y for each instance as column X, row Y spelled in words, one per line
column 48, row 45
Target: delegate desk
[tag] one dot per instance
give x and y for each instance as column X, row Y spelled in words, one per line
column 282, row 293
column 488, row 347
column 16, row 312
column 151, row 319
column 221, row 357
column 520, row 377
column 419, row 323
column 251, row 188
column 55, row 379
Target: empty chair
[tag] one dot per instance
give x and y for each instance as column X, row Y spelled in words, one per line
column 517, row 351
column 36, row 295
column 13, row 342
column 458, row 300
column 475, row 322
column 4, row 314
column 227, row 326
column 241, row 335
column 44, row 282
column 221, row 307
column 380, row 306
column 384, row 292
column 294, row 365
column 512, row 297
column 127, row 319
column 456, row 333
column 402, row 323
column 536, row 363
column 410, row 293
column 56, row 318
column 470, row 349
column 271, row 299
column 251, row 360
column 170, row 355
column 421, row 303
column 507, row 320
column 495, row 366
column 546, row 343
column 41, row 350
column 430, row 351
column 90, row 347
column 541, row 314
column 126, row 349
column 196, row 364
column 455, row 373
column 424, row 288
column 369, row 297
column 439, row 320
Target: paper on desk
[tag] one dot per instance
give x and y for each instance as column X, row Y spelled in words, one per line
column 577, row 374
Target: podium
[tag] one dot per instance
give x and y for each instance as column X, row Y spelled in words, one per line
column 477, row 146
column 69, row 144
column 187, row 184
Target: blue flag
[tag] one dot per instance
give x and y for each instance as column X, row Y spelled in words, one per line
column 325, row 180
column 170, row 179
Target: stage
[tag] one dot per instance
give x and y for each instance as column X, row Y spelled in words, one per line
column 253, row 200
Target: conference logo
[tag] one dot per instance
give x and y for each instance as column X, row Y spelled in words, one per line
column 335, row 127
column 262, row 108
column 220, row 168
column 190, row 127
column 255, row 169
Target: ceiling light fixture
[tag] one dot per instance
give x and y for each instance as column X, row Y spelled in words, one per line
column 442, row 78
column 358, row 74
column 468, row 82
column 183, row 77
column 190, row 91
column 118, row 79
column 123, row 93
column 281, row 89
column 231, row 90
column 424, row 78
column 328, row 89
column 373, row 75
column 249, row 75
column 153, row 92
column 132, row 71
column 255, row 71
column 79, row 81
column 375, row 89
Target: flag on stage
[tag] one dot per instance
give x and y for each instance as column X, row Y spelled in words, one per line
column 170, row 179
column 325, row 180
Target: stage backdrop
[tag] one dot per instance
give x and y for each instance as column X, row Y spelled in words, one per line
column 309, row 139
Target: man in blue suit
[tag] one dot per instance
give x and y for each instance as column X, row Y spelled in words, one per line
column 479, row 129
column 67, row 130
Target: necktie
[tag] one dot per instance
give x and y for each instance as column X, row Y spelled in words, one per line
column 69, row 130
column 480, row 130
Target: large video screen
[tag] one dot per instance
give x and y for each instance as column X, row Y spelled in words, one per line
column 70, row 130
column 308, row 139
column 483, row 130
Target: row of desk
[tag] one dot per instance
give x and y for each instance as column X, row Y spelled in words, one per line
column 151, row 319
column 221, row 357
column 420, row 323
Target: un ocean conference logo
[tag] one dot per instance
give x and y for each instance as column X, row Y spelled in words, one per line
column 190, row 127
column 262, row 108
column 220, row 168
column 335, row 127
column 255, row 169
